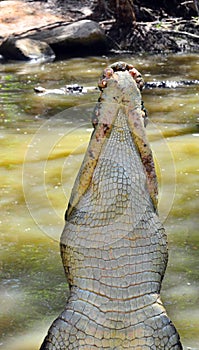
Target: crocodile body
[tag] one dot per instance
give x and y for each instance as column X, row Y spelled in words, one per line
column 113, row 247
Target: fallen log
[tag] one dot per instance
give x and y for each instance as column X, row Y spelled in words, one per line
column 76, row 89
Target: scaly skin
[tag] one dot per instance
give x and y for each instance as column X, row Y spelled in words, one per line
column 113, row 247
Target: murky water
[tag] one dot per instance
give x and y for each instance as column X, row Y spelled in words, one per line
column 42, row 143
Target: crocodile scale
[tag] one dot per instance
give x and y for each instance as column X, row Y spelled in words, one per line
column 113, row 247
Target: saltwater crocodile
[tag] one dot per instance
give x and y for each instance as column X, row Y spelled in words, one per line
column 113, row 247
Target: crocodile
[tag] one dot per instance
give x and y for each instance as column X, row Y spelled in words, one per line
column 113, row 246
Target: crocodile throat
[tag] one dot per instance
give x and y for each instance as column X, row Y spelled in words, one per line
column 113, row 247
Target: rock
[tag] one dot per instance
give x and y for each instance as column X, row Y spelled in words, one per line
column 65, row 39
column 20, row 20
column 26, row 49
column 82, row 37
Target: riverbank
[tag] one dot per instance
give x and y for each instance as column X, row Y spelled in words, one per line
column 77, row 28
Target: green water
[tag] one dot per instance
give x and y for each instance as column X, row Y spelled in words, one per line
column 42, row 143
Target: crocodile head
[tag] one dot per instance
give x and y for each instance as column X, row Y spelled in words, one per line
column 120, row 94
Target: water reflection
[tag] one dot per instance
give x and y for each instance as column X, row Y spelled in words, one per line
column 43, row 139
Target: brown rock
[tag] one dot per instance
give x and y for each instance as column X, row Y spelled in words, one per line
column 69, row 39
column 20, row 20
column 26, row 49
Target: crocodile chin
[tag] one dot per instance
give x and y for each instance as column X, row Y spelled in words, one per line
column 113, row 247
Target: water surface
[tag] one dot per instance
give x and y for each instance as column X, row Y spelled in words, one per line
column 42, row 143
